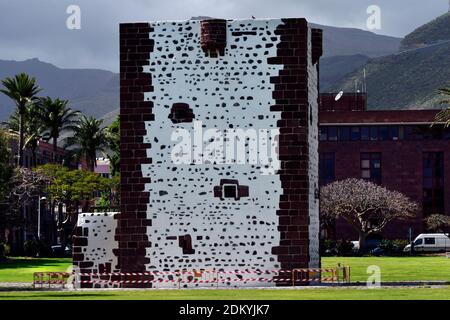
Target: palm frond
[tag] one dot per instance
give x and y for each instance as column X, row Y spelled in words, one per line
column 446, row 93
column 57, row 117
column 21, row 88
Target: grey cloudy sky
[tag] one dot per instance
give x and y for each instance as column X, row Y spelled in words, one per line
column 37, row 28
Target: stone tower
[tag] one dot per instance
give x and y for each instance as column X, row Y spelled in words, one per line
column 218, row 76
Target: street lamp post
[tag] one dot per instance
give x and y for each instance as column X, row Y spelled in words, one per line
column 39, row 216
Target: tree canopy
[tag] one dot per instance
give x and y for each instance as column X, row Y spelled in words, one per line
column 113, row 141
column 364, row 205
column 6, row 169
column 437, row 223
column 56, row 117
column 68, row 185
column 88, row 138
column 22, row 89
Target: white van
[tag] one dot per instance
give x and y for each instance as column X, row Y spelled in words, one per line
column 430, row 242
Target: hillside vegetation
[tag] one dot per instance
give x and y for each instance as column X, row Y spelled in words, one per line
column 411, row 78
column 432, row 32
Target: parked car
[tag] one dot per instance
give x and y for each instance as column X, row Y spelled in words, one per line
column 59, row 251
column 388, row 248
column 378, row 251
column 371, row 243
column 355, row 246
column 430, row 242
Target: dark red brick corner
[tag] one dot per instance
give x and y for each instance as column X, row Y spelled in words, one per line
column 131, row 234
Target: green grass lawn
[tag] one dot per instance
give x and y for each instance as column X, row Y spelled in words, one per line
column 395, row 268
column 305, row 294
column 22, row 269
column 392, row 268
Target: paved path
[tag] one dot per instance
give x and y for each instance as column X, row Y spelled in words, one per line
column 28, row 286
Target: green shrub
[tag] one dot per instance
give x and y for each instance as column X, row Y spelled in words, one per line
column 2, row 250
column 337, row 248
column 393, row 247
column 328, row 247
column 344, row 247
column 34, row 248
column 401, row 243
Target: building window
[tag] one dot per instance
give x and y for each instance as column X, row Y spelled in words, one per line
column 371, row 167
column 344, row 133
column 433, row 183
column 373, row 133
column 413, row 133
column 355, row 133
column 230, row 191
column 323, row 133
column 364, row 133
column 326, row 168
column 332, row 134
column 384, row 133
column 446, row 134
column 393, row 131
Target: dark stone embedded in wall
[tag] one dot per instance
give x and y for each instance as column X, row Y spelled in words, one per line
column 181, row 112
column 213, row 35
column 230, row 189
column 292, row 100
column 131, row 234
column 185, row 242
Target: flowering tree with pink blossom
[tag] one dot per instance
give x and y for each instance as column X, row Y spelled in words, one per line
column 367, row 207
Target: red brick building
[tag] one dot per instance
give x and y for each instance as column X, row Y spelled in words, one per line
column 397, row 149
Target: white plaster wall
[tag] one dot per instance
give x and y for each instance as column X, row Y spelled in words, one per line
column 313, row 143
column 235, row 234
column 101, row 242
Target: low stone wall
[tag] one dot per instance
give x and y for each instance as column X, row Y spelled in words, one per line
column 94, row 245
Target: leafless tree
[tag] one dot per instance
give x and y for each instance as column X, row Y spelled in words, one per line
column 26, row 185
column 364, row 205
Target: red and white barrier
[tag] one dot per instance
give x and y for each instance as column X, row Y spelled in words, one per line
column 240, row 272
column 187, row 277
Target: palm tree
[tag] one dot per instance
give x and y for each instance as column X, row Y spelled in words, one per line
column 113, row 142
column 444, row 115
column 33, row 128
column 56, row 117
column 22, row 90
column 89, row 137
column 446, row 93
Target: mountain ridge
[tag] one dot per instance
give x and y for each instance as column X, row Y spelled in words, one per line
column 96, row 91
column 92, row 91
column 429, row 33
